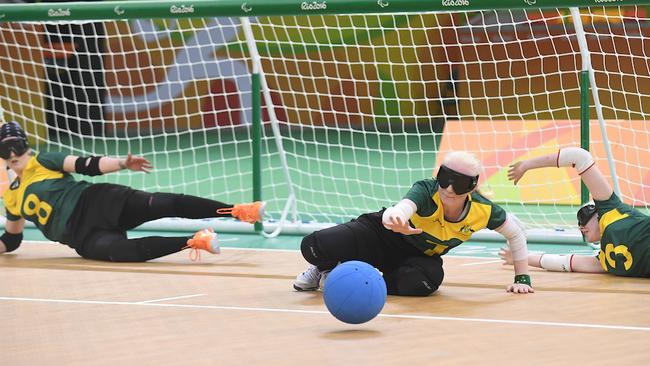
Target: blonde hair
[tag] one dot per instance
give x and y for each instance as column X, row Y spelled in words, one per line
column 465, row 162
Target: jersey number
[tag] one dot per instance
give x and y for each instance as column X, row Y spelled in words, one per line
column 438, row 249
column 607, row 256
column 35, row 207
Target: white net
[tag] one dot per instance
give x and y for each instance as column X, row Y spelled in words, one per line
column 366, row 104
column 171, row 90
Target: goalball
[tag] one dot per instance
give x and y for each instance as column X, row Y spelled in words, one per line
column 355, row 292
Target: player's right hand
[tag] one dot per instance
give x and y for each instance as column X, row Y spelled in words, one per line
column 138, row 164
column 396, row 224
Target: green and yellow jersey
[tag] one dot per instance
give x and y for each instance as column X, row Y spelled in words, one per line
column 625, row 238
column 439, row 235
column 44, row 195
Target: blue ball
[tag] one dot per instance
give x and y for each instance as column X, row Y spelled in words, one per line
column 354, row 292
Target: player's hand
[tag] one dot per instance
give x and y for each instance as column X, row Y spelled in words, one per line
column 516, row 171
column 506, row 256
column 137, row 164
column 398, row 225
column 520, row 288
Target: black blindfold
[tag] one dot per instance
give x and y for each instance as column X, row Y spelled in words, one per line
column 585, row 213
column 460, row 182
column 16, row 145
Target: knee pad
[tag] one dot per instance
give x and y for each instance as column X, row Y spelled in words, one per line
column 123, row 251
column 119, row 248
column 417, row 277
column 110, row 246
column 308, row 248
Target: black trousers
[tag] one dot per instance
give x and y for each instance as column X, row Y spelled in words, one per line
column 105, row 212
column 406, row 270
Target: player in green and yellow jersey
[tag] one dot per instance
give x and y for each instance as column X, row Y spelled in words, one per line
column 94, row 218
column 623, row 231
column 406, row 242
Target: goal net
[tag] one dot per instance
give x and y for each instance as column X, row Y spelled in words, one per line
column 354, row 107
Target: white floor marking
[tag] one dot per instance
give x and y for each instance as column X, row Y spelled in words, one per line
column 398, row 316
column 170, row 298
column 228, row 239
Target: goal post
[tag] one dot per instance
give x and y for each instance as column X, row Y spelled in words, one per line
column 329, row 109
column 148, row 9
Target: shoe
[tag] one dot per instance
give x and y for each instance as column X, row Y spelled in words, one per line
column 205, row 239
column 246, row 212
column 311, row 279
column 323, row 278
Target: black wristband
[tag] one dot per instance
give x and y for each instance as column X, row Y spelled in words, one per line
column 523, row 278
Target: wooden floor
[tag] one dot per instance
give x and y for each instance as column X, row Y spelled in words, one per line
column 238, row 308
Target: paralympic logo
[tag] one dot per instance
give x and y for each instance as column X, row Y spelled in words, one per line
column 245, row 8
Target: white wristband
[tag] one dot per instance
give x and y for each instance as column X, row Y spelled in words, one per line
column 556, row 262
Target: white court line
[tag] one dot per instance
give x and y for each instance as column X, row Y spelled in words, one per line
column 170, row 298
column 484, row 262
column 263, row 249
column 227, row 239
column 398, row 316
column 260, row 249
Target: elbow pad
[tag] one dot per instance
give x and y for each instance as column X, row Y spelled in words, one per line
column 575, row 157
column 402, row 210
column 516, row 237
column 88, row 165
column 556, row 262
column 11, row 241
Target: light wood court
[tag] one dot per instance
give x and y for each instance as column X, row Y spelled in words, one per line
column 238, row 308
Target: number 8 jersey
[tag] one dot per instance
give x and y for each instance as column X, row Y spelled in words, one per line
column 625, row 238
column 44, row 195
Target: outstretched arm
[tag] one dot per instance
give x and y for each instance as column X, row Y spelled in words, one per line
column 96, row 165
column 396, row 218
column 575, row 157
column 517, row 244
column 558, row 262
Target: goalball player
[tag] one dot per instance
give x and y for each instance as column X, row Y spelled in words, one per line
column 623, row 231
column 93, row 218
column 406, row 242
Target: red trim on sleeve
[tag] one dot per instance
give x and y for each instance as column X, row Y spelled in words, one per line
column 571, row 263
column 592, row 164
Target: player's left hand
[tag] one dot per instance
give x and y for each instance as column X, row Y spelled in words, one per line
column 506, row 256
column 519, row 288
column 138, row 164
column 517, row 171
